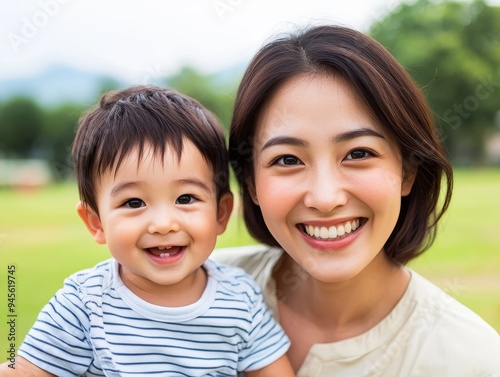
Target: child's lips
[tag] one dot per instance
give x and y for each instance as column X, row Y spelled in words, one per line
column 167, row 251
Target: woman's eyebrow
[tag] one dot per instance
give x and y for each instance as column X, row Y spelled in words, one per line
column 360, row 132
column 284, row 140
column 344, row 136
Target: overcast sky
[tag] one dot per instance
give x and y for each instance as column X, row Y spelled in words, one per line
column 131, row 39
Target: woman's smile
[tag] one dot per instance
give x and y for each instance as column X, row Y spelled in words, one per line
column 328, row 181
column 332, row 232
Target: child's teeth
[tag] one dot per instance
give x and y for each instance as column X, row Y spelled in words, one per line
column 163, row 255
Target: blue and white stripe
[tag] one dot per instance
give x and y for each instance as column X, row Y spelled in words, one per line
column 94, row 325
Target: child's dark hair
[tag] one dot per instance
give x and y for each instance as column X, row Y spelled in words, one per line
column 139, row 117
column 388, row 92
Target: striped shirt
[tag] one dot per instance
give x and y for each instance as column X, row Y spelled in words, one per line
column 95, row 326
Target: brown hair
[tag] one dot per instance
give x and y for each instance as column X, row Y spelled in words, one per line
column 144, row 115
column 390, row 94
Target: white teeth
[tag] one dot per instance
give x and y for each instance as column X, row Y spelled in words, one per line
column 333, row 231
column 163, row 255
column 323, row 232
column 340, row 231
column 347, row 227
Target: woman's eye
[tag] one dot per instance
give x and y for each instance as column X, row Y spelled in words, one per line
column 358, row 154
column 185, row 199
column 287, row 160
column 135, row 203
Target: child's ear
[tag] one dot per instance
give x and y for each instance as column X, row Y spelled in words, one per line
column 92, row 222
column 224, row 210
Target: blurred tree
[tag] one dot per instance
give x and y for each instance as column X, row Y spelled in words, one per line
column 107, row 84
column 216, row 96
column 451, row 50
column 59, row 129
column 21, row 122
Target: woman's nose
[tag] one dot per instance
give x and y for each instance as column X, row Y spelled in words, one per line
column 325, row 190
column 163, row 220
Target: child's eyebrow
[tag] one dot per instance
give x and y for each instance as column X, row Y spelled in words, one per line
column 122, row 186
column 194, row 181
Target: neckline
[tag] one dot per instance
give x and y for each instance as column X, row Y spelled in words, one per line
column 163, row 313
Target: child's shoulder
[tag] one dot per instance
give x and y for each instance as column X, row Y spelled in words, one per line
column 98, row 276
column 232, row 278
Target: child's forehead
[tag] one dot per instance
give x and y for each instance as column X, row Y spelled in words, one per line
column 151, row 158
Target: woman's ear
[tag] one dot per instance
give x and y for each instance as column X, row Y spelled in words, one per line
column 251, row 190
column 408, row 180
column 224, row 209
column 92, row 222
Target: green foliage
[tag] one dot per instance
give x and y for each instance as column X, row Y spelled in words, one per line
column 451, row 50
column 21, row 122
column 215, row 96
column 57, row 137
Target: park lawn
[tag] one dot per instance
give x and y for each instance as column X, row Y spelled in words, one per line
column 41, row 234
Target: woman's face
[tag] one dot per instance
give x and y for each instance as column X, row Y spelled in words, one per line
column 327, row 178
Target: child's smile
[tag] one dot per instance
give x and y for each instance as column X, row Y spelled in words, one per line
column 160, row 219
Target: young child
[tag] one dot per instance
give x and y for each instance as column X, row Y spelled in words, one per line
column 152, row 173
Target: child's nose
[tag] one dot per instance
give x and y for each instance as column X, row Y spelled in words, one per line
column 163, row 220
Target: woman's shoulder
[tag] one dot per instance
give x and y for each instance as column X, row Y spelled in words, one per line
column 254, row 259
column 438, row 304
column 452, row 332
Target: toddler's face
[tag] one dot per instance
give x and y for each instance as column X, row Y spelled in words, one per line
column 160, row 219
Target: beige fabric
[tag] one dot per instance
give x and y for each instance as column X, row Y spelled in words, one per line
column 427, row 334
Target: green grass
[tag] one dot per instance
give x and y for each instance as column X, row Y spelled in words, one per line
column 41, row 234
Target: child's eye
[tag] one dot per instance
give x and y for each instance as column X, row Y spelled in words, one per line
column 185, row 199
column 134, row 203
column 358, row 154
column 286, row 160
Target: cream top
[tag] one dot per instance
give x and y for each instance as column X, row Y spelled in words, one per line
column 428, row 333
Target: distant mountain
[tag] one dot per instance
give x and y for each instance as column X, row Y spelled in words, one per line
column 65, row 84
column 55, row 85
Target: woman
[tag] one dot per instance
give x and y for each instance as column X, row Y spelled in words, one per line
column 341, row 171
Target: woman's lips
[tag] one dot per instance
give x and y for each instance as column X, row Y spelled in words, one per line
column 333, row 232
